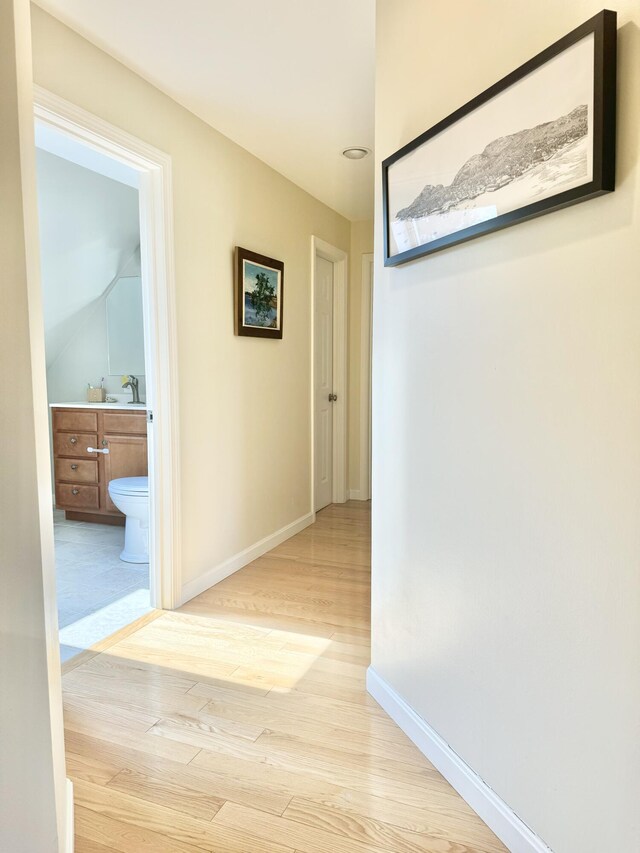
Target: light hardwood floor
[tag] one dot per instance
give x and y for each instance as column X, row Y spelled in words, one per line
column 241, row 723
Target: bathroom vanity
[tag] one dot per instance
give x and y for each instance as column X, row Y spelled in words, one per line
column 92, row 445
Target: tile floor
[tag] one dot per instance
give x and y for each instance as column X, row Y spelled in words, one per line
column 97, row 592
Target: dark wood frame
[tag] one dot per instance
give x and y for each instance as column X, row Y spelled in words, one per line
column 242, row 255
column 604, row 28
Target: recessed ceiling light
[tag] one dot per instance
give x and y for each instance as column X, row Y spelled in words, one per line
column 356, row 152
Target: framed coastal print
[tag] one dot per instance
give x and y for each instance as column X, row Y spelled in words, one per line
column 540, row 139
column 259, row 289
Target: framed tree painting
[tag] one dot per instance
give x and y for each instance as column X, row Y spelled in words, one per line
column 259, row 289
column 540, row 139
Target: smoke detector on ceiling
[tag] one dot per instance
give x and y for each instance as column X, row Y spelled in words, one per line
column 356, row 152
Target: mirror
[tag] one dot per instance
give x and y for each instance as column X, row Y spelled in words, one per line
column 125, row 330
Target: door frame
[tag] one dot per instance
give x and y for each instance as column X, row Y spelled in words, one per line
column 366, row 348
column 340, row 260
column 160, row 325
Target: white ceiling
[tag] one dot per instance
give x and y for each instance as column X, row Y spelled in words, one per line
column 292, row 81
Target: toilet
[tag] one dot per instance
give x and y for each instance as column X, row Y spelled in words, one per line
column 131, row 496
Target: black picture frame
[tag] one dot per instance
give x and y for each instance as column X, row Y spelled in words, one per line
column 260, row 323
column 601, row 131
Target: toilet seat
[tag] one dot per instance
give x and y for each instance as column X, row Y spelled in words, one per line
column 130, row 486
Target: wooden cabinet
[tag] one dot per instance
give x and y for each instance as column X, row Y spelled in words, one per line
column 82, row 475
column 127, row 458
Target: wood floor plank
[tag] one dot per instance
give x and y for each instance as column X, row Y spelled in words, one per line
column 439, row 817
column 124, row 837
column 177, row 831
column 213, row 781
column 113, row 693
column 316, row 732
column 346, row 652
column 164, row 791
column 265, row 620
column 241, row 723
column 78, row 708
column 309, row 839
column 86, row 845
column 126, row 670
column 204, row 730
column 350, row 637
column 349, row 824
column 339, row 711
column 236, row 757
column 275, row 780
column 376, row 761
column 182, row 753
column 90, row 769
column 350, row 695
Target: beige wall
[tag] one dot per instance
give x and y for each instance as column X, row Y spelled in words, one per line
column 506, row 601
column 245, row 403
column 361, row 244
column 31, row 751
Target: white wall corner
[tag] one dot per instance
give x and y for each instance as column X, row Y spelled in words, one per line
column 243, row 558
column 69, row 833
column 510, row 829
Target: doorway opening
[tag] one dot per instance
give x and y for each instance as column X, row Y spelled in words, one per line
column 109, row 337
column 94, row 347
column 329, row 374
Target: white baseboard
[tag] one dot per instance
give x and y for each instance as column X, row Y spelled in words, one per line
column 356, row 495
column 239, row 561
column 69, row 831
column 506, row 824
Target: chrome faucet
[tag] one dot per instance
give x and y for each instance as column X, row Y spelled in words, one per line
column 132, row 383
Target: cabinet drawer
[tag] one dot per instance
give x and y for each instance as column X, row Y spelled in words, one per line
column 76, row 471
column 69, row 496
column 74, row 444
column 75, row 421
column 125, row 423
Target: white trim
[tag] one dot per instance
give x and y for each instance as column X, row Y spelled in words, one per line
column 356, row 495
column 69, row 148
column 242, row 559
column 366, row 341
column 506, row 824
column 161, row 351
column 340, row 260
column 69, row 831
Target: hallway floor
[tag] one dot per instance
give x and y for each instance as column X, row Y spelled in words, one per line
column 241, row 723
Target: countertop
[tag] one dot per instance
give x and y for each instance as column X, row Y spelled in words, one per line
column 126, row 407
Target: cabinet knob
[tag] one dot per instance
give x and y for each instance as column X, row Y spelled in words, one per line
column 73, row 439
column 74, row 467
column 75, row 491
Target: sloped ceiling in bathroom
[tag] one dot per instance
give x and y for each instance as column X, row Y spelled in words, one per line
column 89, row 230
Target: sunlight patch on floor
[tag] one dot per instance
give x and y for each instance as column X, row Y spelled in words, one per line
column 240, row 655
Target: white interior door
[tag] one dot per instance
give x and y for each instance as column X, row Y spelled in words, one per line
column 323, row 383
